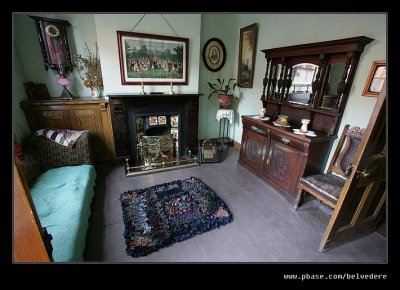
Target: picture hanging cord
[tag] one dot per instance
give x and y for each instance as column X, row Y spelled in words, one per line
column 170, row 26
column 138, row 22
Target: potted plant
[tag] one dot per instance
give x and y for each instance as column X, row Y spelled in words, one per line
column 225, row 93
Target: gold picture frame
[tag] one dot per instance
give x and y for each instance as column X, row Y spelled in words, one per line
column 247, row 56
column 376, row 79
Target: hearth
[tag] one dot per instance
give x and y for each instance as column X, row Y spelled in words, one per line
column 142, row 123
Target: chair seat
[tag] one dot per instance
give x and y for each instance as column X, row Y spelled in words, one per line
column 327, row 185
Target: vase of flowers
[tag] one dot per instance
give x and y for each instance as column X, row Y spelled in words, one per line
column 90, row 71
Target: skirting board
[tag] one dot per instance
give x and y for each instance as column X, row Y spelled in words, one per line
column 235, row 144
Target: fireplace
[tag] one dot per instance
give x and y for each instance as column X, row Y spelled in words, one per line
column 155, row 123
column 135, row 116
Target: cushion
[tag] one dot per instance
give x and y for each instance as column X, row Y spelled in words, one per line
column 62, row 198
column 327, row 185
column 63, row 137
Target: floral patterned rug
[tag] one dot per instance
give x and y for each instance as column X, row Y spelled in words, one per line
column 158, row 216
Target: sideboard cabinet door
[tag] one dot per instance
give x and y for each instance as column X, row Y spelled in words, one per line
column 284, row 167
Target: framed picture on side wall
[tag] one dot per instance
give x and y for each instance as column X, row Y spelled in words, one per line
column 376, row 78
column 247, row 55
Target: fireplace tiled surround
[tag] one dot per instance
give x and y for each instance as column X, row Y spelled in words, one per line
column 125, row 108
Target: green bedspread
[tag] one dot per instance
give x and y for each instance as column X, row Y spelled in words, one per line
column 62, row 198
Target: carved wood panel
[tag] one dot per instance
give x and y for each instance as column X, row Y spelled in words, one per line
column 253, row 150
column 283, row 168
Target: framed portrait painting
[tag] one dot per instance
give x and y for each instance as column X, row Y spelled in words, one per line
column 376, row 78
column 247, row 56
column 214, row 54
column 152, row 59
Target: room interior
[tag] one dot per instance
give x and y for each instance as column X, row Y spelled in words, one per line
column 265, row 225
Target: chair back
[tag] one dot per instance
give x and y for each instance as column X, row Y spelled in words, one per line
column 344, row 156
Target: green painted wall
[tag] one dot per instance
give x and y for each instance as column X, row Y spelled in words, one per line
column 276, row 30
column 224, row 27
column 185, row 25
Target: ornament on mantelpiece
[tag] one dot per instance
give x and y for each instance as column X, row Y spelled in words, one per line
column 89, row 68
column 172, row 90
column 142, row 92
column 64, row 81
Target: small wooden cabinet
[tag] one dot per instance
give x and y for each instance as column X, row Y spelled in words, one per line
column 279, row 156
column 79, row 114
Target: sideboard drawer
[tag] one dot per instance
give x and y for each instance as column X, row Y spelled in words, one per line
column 288, row 141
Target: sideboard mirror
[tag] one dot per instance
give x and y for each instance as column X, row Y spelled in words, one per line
column 302, row 77
column 311, row 81
column 329, row 95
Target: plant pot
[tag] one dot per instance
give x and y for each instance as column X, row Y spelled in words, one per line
column 225, row 101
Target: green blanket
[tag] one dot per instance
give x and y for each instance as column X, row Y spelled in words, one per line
column 62, row 198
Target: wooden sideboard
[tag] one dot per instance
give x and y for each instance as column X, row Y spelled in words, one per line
column 307, row 81
column 78, row 114
column 279, row 156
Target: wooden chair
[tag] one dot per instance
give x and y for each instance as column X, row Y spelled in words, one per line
column 327, row 187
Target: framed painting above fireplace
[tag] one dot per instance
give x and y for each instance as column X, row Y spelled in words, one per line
column 152, row 59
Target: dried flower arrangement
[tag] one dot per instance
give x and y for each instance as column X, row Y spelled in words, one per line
column 90, row 69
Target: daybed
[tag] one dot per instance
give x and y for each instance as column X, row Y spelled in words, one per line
column 61, row 181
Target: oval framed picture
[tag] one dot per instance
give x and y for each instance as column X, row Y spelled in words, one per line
column 214, row 54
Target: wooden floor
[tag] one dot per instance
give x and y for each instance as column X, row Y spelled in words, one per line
column 265, row 226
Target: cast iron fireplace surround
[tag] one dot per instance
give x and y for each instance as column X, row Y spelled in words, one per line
column 124, row 107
